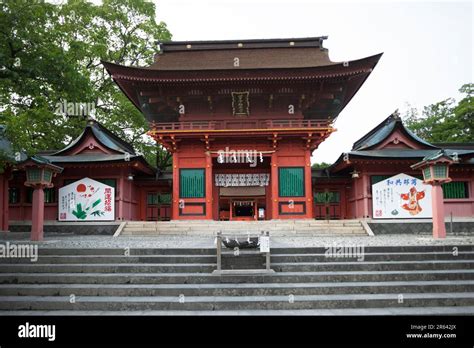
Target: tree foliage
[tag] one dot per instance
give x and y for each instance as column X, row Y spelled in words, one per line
column 322, row 165
column 50, row 54
column 445, row 121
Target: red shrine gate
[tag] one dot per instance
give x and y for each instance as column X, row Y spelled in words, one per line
column 270, row 101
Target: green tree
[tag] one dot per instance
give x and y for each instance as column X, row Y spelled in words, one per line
column 322, row 165
column 51, row 53
column 445, row 121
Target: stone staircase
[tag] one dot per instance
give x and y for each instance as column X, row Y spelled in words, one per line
column 306, row 227
column 390, row 280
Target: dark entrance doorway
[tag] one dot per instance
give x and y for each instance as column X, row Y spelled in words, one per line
column 243, row 209
column 158, row 206
column 327, row 204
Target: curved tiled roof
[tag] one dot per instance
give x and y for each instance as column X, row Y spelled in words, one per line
column 383, row 130
column 104, row 136
column 121, row 150
column 252, row 54
column 407, row 153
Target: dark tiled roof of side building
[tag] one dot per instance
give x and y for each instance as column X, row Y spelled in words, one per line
column 451, row 145
column 104, row 136
column 122, row 151
column 383, row 130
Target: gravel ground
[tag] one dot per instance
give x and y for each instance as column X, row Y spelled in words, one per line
column 61, row 241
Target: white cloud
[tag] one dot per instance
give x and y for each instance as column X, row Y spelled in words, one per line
column 428, row 50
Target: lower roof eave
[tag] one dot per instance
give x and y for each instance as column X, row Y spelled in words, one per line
column 143, row 165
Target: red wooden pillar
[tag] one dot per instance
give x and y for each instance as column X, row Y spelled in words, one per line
column 209, row 180
column 121, row 196
column 268, row 203
column 215, row 202
column 274, row 188
column 4, row 200
column 37, row 216
column 439, row 227
column 308, row 185
column 365, row 194
column 175, row 202
column 142, row 203
column 255, row 208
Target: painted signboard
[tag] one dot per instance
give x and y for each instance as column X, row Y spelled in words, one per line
column 401, row 197
column 86, row 200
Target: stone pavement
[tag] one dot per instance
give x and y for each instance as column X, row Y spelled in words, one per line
column 163, row 241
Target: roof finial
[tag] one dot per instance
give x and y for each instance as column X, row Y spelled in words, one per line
column 90, row 120
column 396, row 115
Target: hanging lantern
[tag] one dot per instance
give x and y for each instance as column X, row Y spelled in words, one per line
column 39, row 172
column 435, row 168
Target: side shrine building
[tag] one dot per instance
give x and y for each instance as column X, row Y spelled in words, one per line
column 241, row 120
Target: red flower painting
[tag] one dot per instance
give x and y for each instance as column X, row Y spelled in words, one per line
column 413, row 197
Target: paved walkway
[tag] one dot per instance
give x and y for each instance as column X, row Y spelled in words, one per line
column 74, row 241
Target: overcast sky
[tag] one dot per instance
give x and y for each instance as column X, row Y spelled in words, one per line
column 427, row 46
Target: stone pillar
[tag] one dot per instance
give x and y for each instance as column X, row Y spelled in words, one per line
column 439, row 227
column 274, row 187
column 37, row 217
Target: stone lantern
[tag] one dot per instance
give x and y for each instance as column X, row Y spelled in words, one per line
column 39, row 174
column 435, row 169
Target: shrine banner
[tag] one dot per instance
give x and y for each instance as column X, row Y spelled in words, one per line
column 247, row 180
column 401, row 197
column 86, row 200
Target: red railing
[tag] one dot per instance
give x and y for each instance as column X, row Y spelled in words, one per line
column 239, row 124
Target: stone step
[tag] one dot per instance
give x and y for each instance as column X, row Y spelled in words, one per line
column 249, row 289
column 109, row 268
column 241, row 226
column 416, row 311
column 209, row 267
column 371, row 256
column 101, row 259
column 453, row 249
column 246, row 227
column 234, row 302
column 105, row 280
column 207, row 278
column 285, row 233
column 235, row 222
column 211, row 258
column 122, row 251
column 232, row 225
column 372, row 265
column 433, row 249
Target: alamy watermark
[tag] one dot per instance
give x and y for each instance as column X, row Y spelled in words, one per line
column 76, row 109
column 239, row 156
column 345, row 251
column 28, row 330
column 13, row 250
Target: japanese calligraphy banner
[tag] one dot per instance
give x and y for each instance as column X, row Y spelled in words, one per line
column 86, row 200
column 401, row 197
